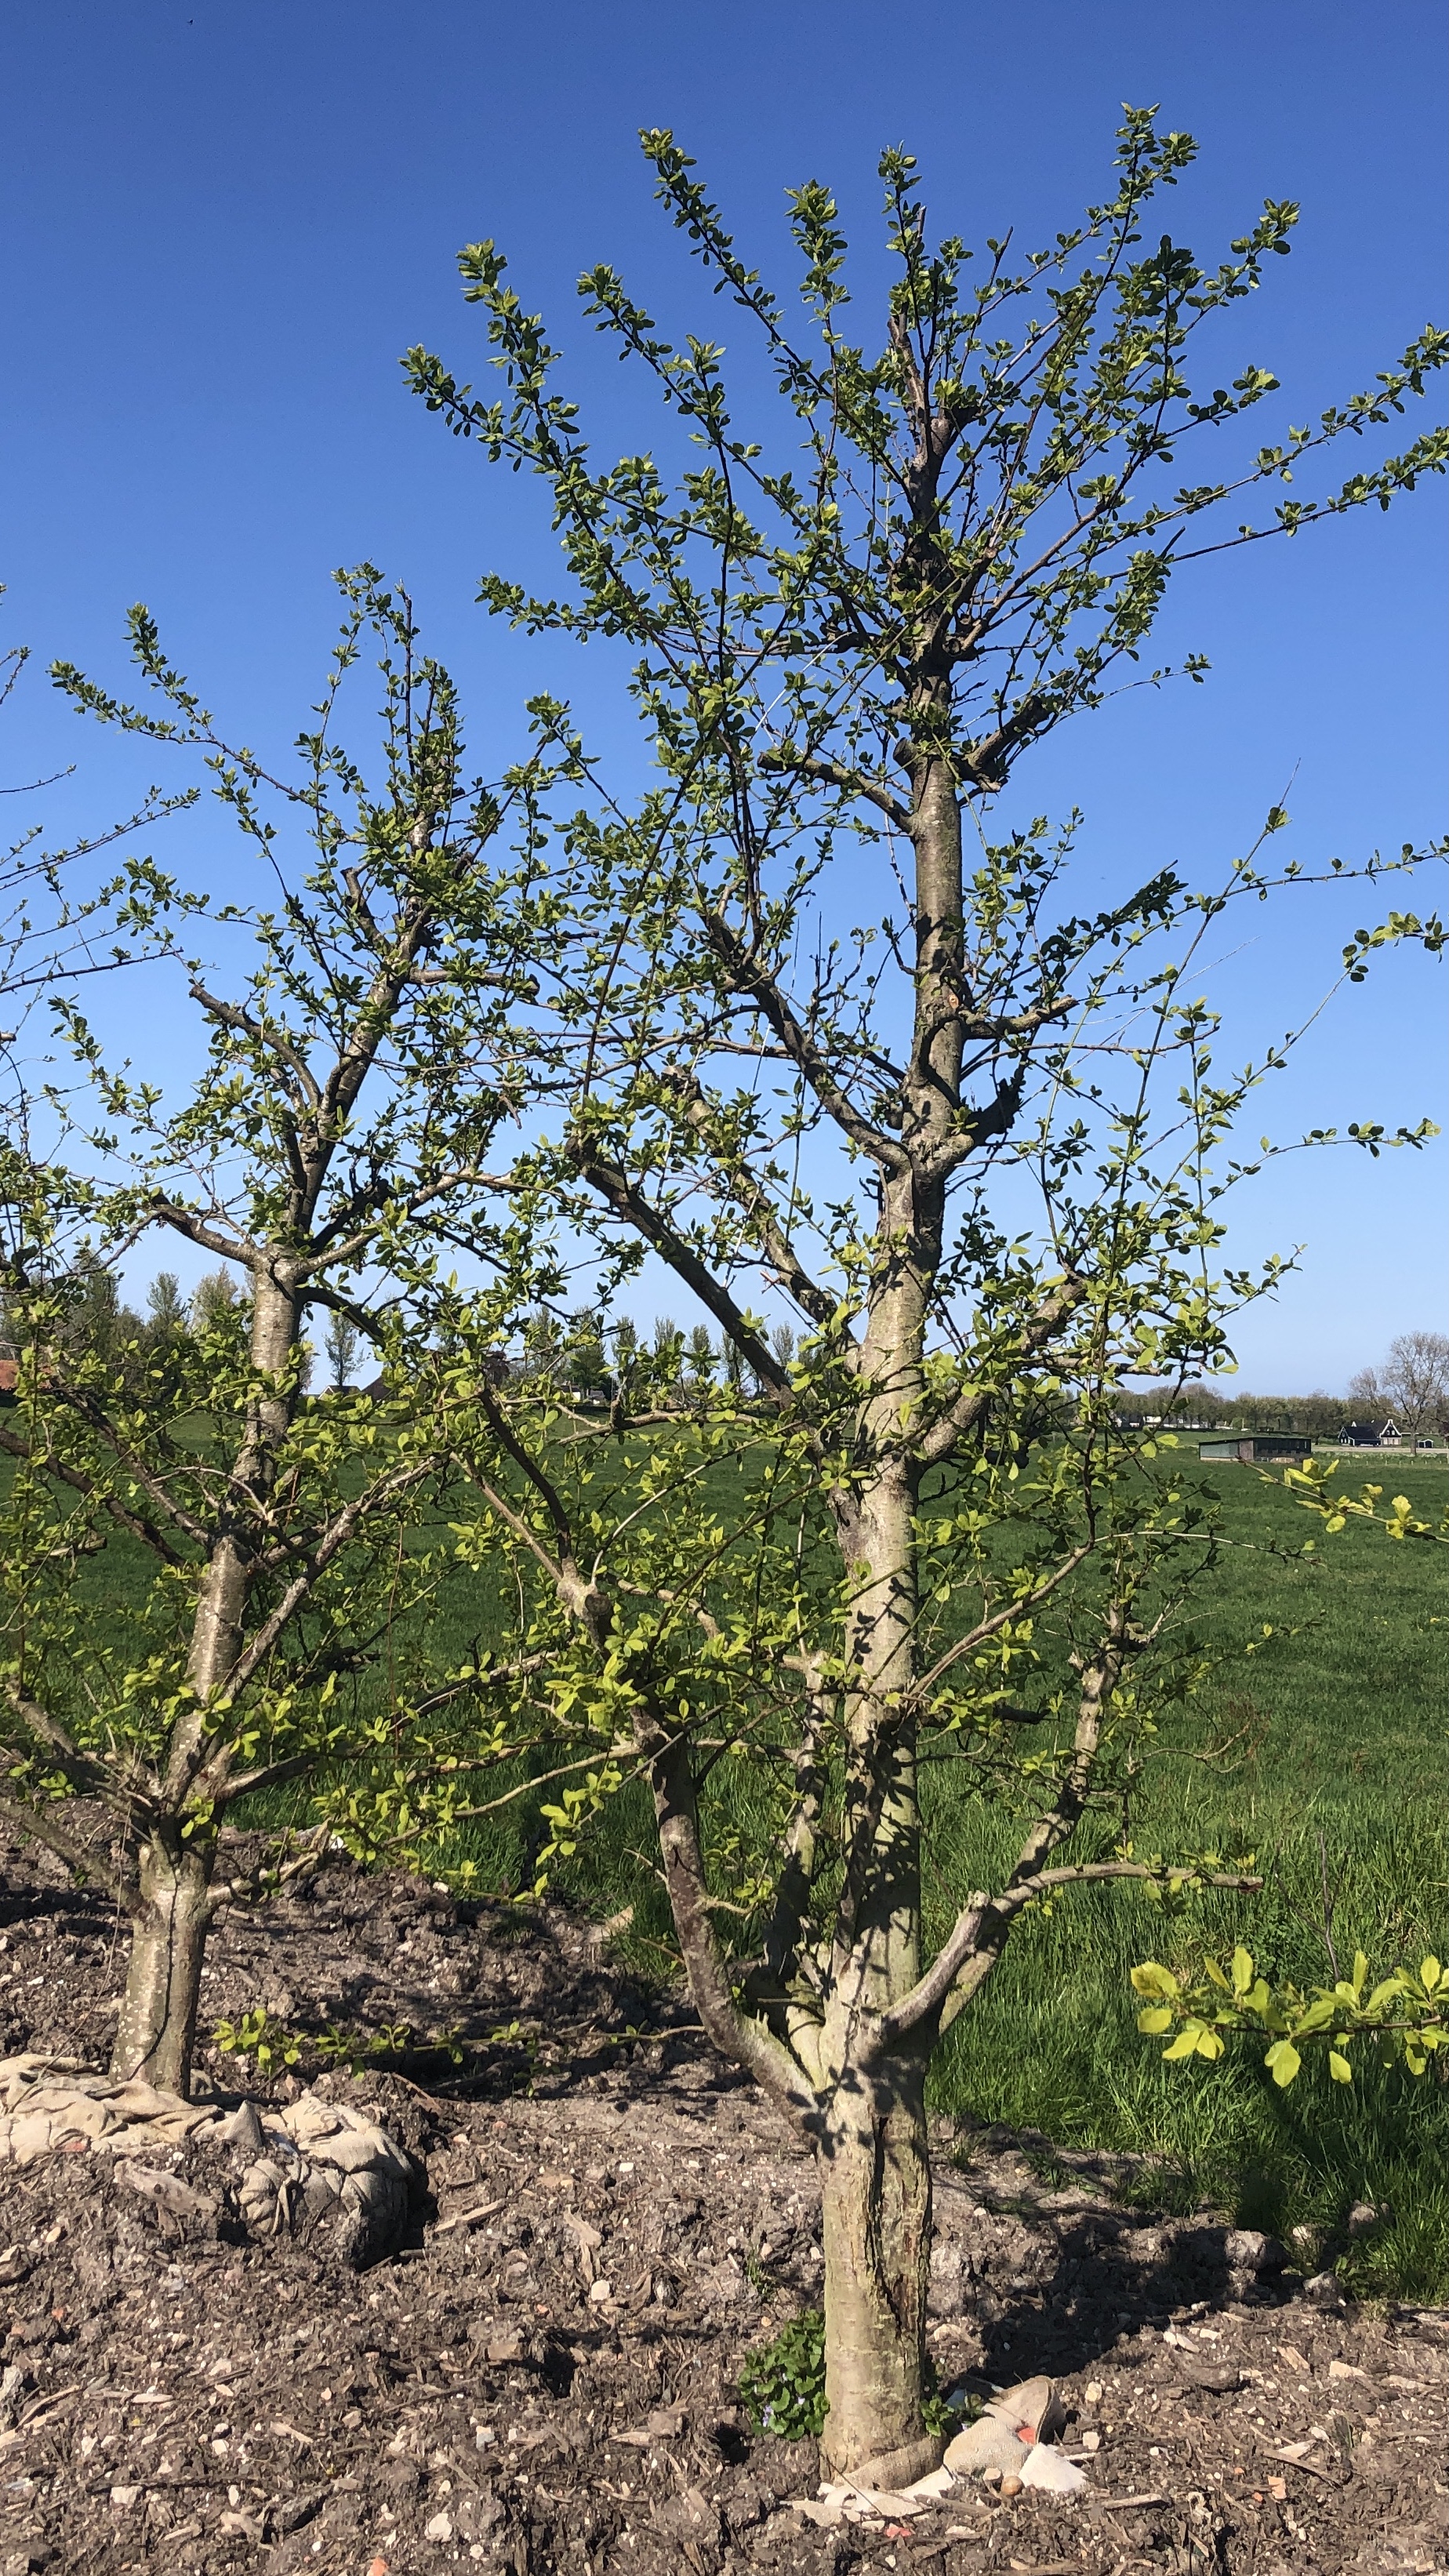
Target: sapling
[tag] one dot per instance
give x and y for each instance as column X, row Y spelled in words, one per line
column 360, row 1061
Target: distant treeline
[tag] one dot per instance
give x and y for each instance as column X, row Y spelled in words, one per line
column 1320, row 1416
column 595, row 1358
column 97, row 1324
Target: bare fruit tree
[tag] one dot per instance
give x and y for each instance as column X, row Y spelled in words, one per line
column 1412, row 1385
column 836, row 1050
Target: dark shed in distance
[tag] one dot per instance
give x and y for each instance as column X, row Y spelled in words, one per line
column 1257, row 1450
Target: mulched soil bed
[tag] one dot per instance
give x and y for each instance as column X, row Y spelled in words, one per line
column 612, row 2219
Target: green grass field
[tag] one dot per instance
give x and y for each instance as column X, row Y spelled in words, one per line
column 1334, row 1773
column 1321, row 1749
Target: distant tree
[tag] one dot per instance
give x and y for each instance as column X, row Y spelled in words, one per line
column 343, row 1345
column 165, row 1310
column 782, row 1343
column 542, row 1344
column 90, row 1316
column 1320, row 1415
column 587, row 1366
column 1191, row 1401
column 1313, row 1415
column 162, row 1337
column 1266, row 1413
column 666, row 1357
column 627, row 1353
column 165, row 1305
column 699, row 1352
column 1412, row 1385
column 215, row 1293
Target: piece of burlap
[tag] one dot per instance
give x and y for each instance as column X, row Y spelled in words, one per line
column 1007, row 2431
column 308, row 2158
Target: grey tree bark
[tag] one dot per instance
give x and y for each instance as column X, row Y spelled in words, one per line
column 173, row 1904
column 156, row 2029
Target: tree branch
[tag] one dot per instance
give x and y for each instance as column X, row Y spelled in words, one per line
column 973, row 1403
column 328, row 1248
column 57, row 1739
column 966, row 1946
column 232, row 1018
column 275, row 1775
column 25, row 1819
column 1000, row 1619
column 620, row 1194
column 738, row 2035
column 233, row 1891
column 229, row 1247
column 757, row 1212
column 207, row 1775
column 981, row 1932
column 582, row 1600
column 82, row 1483
column 833, row 773
column 334, row 1538
column 784, row 1932
column 760, row 987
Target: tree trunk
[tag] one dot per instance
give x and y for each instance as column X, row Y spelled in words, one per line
column 157, row 2024
column 876, row 2188
column 222, row 1601
column 876, row 2172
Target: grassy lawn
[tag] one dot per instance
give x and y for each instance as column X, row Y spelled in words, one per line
column 1334, row 1774
column 1320, row 1748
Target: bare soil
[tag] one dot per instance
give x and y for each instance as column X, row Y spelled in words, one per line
column 612, row 2220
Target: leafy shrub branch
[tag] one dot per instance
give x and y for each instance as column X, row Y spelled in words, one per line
column 1404, row 2018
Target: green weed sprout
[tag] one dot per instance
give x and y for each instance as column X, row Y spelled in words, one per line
column 782, row 2387
column 258, row 2035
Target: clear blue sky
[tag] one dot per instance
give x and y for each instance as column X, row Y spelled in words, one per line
column 225, row 219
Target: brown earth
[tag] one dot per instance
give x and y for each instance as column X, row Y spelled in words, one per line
column 542, row 2376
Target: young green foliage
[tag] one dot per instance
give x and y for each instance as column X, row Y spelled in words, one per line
column 840, row 1050
column 53, row 932
column 782, row 2387
column 263, row 1572
column 1405, row 2015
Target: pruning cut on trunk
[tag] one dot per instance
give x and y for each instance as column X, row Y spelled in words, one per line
column 841, row 1047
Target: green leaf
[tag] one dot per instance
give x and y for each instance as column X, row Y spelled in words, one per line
column 1318, row 2016
column 1339, row 2067
column 1282, row 2061
column 1186, row 2042
column 1151, row 1978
